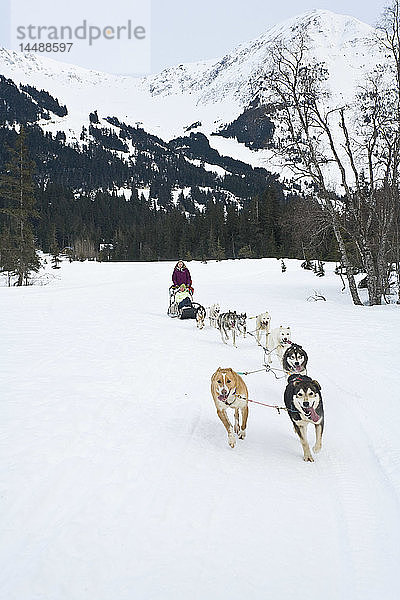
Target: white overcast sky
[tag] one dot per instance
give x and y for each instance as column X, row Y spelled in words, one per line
column 184, row 30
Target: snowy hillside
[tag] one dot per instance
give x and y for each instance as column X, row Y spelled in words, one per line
column 333, row 38
column 210, row 92
column 117, row 479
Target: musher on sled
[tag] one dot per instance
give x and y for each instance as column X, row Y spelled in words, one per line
column 181, row 274
column 181, row 293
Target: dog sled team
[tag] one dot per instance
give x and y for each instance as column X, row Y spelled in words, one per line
column 302, row 396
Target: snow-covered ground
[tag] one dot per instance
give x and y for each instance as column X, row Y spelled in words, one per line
column 117, row 481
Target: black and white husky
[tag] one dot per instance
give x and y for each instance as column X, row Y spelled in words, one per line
column 241, row 324
column 226, row 323
column 200, row 316
column 295, row 360
column 303, row 401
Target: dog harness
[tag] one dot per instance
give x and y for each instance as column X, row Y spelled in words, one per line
column 222, row 399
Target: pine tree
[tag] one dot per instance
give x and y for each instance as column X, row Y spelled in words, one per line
column 320, row 271
column 219, row 251
column 212, row 244
column 308, row 265
column 18, row 200
column 7, row 264
column 246, row 252
column 54, row 249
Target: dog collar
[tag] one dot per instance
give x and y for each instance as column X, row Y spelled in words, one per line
column 297, row 378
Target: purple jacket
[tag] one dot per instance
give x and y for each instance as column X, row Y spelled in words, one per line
column 180, row 276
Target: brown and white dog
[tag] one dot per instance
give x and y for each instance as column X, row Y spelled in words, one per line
column 303, row 401
column 263, row 323
column 229, row 391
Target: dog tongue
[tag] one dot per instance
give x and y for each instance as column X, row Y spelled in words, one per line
column 313, row 415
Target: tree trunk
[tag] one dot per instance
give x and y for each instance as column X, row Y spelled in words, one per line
column 20, row 280
column 347, row 265
column 374, row 277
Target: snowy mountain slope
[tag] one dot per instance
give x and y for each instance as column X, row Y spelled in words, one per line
column 332, row 37
column 117, row 479
column 210, row 92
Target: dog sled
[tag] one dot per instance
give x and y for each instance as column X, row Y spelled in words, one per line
column 186, row 312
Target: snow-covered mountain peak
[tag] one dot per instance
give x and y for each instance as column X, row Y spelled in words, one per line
column 231, row 75
column 29, row 67
column 213, row 92
column 318, row 23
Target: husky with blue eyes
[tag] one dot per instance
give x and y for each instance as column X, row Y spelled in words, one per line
column 295, row 360
column 303, row 401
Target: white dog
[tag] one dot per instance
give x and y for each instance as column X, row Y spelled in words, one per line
column 263, row 323
column 214, row 314
column 278, row 341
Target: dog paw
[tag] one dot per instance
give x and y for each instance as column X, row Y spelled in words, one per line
column 242, row 434
column 317, row 448
column 237, row 429
column 231, row 440
column 308, row 458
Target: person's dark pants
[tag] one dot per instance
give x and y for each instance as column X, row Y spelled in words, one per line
column 185, row 302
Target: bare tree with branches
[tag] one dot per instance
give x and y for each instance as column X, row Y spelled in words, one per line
column 355, row 146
